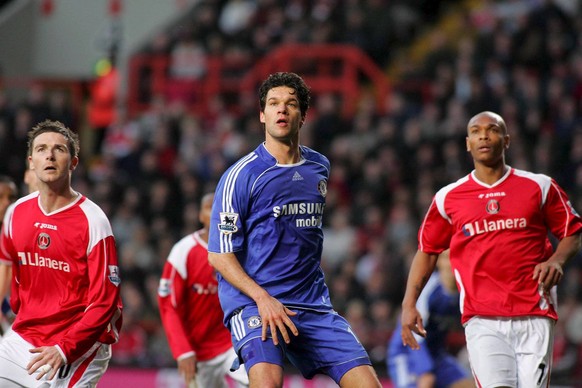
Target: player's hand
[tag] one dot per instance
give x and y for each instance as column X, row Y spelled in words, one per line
column 275, row 317
column 187, row 368
column 411, row 322
column 47, row 362
column 548, row 274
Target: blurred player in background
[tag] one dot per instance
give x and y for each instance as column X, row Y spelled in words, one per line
column 65, row 288
column 191, row 313
column 6, row 268
column 431, row 366
column 496, row 222
column 8, row 194
column 266, row 243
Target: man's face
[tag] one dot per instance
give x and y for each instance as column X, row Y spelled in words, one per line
column 51, row 159
column 282, row 114
column 487, row 139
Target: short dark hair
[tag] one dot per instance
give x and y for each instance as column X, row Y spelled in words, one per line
column 290, row 80
column 57, row 127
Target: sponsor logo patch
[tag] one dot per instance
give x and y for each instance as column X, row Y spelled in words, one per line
column 228, row 223
column 165, row 287
column 114, row 275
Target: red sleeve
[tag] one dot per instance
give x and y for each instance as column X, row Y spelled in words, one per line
column 434, row 235
column 171, row 295
column 102, row 318
column 559, row 213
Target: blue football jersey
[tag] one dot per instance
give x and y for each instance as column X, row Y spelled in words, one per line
column 270, row 216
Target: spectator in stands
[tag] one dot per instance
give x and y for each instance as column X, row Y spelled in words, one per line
column 187, row 67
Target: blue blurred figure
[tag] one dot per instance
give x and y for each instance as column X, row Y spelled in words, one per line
column 431, row 366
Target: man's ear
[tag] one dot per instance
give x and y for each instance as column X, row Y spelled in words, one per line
column 74, row 163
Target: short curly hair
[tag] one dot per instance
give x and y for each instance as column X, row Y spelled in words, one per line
column 290, row 80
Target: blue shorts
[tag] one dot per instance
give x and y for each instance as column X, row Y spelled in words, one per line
column 326, row 343
column 406, row 367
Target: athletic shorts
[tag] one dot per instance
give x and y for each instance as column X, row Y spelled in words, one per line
column 84, row 372
column 510, row 352
column 211, row 373
column 326, row 343
column 405, row 369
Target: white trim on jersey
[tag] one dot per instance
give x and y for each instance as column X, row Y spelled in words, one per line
column 546, row 183
column 178, row 256
column 226, row 238
column 440, row 196
column 99, row 226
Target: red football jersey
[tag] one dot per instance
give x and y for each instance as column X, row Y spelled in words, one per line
column 188, row 301
column 497, row 234
column 65, row 288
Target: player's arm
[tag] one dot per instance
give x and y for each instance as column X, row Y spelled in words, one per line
column 564, row 223
column 273, row 314
column 421, row 268
column 97, row 322
column 171, row 292
column 103, row 306
column 550, row 272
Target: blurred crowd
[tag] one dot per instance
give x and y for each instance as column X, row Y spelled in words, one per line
column 522, row 59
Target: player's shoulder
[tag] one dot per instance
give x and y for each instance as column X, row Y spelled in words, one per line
column 24, row 205
column 443, row 191
column 184, row 244
column 536, row 177
column 94, row 214
column 28, row 199
column 90, row 206
column 313, row 156
column 252, row 163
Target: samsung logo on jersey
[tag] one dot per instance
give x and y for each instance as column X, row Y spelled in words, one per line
column 26, row 258
column 485, row 226
column 298, row 208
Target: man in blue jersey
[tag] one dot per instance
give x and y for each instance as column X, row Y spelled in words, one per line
column 266, row 242
column 431, row 366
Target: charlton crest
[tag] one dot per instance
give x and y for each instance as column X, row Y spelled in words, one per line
column 492, row 206
column 43, row 241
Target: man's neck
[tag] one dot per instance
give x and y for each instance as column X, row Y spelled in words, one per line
column 490, row 175
column 51, row 200
column 282, row 152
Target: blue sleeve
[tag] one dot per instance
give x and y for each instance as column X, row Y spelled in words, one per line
column 226, row 230
column 443, row 303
